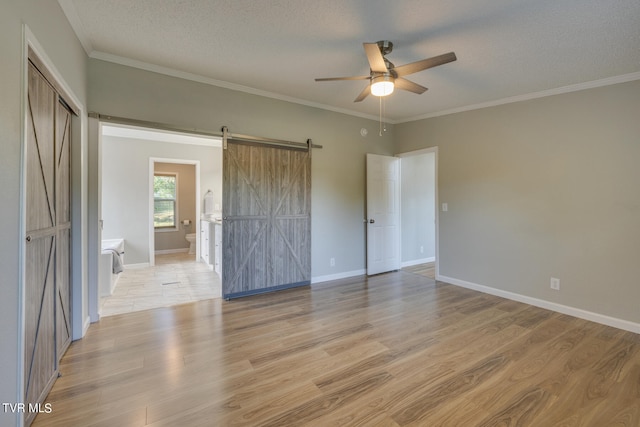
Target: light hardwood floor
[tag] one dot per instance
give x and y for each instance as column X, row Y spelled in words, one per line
column 396, row 349
column 427, row 269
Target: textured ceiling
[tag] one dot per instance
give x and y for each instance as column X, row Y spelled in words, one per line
column 506, row 49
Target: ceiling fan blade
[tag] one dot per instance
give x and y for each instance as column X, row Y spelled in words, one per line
column 327, row 79
column 376, row 60
column 414, row 67
column 365, row 92
column 405, row 84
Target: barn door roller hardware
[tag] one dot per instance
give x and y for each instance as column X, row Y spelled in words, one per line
column 226, row 135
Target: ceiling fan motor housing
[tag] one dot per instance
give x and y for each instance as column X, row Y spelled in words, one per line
column 385, row 46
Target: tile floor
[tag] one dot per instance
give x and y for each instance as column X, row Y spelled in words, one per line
column 175, row 279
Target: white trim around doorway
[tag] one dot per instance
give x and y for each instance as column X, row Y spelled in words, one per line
column 152, row 162
column 79, row 214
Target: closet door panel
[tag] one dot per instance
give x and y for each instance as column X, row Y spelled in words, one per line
column 47, row 240
column 40, row 191
column 63, row 223
column 40, row 349
column 63, row 165
column 63, row 297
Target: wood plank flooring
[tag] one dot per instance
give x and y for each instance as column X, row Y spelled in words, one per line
column 397, row 349
column 427, row 269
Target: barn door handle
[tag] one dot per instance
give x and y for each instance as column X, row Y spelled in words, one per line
column 372, row 221
column 28, row 238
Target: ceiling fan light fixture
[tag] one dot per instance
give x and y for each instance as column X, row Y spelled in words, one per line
column 383, row 74
column 382, row 85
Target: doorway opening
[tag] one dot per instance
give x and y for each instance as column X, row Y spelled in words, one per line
column 402, row 220
column 174, row 207
column 158, row 231
column 419, row 219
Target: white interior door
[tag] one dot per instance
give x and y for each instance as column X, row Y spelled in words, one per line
column 383, row 214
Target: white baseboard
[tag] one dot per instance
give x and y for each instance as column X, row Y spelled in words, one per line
column 560, row 308
column 171, row 251
column 418, row 261
column 346, row 274
column 136, row 266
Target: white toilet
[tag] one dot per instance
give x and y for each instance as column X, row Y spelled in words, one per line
column 191, row 238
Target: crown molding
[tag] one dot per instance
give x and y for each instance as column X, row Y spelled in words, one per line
column 528, row 96
column 219, row 83
column 246, row 89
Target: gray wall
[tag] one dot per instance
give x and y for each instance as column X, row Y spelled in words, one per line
column 125, row 187
column 542, row 188
column 338, row 170
column 175, row 239
column 50, row 27
column 417, row 201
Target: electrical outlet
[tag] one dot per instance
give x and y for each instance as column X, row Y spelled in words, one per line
column 332, row 262
column 555, row 284
column 421, row 249
column 445, row 207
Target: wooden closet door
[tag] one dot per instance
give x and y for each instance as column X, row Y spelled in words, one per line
column 40, row 262
column 266, row 232
column 63, row 225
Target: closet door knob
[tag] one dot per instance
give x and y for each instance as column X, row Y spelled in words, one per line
column 28, row 238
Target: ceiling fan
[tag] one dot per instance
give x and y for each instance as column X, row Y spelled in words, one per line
column 384, row 76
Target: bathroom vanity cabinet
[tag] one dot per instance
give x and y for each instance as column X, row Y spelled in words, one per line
column 206, row 239
column 211, row 244
column 217, row 261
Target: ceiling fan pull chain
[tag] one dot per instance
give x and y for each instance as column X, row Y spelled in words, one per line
column 383, row 122
column 384, row 115
column 380, row 113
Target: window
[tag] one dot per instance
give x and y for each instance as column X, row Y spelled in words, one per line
column 165, row 198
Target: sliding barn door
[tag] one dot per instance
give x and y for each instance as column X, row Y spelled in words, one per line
column 48, row 226
column 266, row 231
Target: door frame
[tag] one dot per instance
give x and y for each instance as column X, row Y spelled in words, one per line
column 79, row 212
column 152, row 236
column 95, row 133
column 419, row 152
